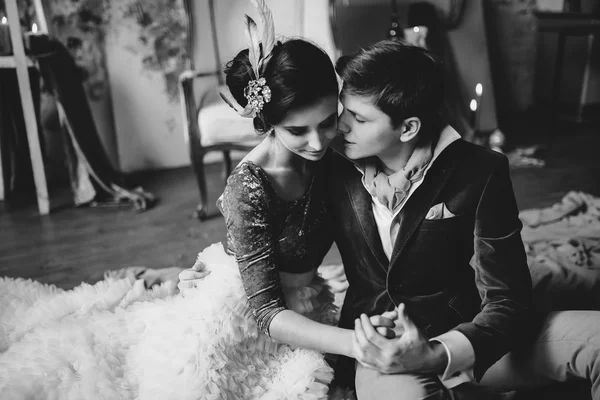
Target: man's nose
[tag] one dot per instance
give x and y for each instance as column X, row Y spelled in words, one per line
column 343, row 125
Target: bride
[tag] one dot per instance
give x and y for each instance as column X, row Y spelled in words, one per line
column 260, row 323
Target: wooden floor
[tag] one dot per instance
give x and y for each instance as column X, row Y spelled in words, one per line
column 74, row 245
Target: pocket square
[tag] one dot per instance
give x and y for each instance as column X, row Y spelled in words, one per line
column 439, row 211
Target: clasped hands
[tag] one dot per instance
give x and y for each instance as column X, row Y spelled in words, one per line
column 389, row 343
column 400, row 348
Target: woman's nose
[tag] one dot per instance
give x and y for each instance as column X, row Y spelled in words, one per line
column 316, row 141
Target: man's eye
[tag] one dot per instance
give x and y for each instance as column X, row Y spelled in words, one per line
column 360, row 121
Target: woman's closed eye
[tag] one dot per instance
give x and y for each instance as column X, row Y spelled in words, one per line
column 301, row 130
column 297, row 131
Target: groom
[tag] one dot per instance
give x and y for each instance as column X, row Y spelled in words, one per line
column 428, row 224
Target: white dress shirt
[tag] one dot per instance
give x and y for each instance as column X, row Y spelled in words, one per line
column 461, row 356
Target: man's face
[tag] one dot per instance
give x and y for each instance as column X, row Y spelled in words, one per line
column 367, row 131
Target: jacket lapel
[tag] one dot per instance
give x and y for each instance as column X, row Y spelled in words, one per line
column 361, row 203
column 423, row 198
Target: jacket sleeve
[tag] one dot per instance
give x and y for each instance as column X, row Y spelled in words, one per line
column 501, row 274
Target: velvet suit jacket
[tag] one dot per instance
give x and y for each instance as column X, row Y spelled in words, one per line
column 467, row 273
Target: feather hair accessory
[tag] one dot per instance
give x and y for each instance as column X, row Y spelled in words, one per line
column 257, row 92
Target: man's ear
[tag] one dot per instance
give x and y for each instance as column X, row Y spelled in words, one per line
column 409, row 129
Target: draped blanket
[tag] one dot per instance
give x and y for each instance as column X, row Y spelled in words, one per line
column 563, row 250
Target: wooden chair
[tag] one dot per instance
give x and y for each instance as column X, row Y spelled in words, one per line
column 210, row 125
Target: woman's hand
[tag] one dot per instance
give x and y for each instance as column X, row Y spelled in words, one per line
column 385, row 324
column 189, row 278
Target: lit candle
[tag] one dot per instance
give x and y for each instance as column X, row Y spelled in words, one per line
column 479, row 93
column 34, row 32
column 473, row 119
column 5, row 44
column 416, row 35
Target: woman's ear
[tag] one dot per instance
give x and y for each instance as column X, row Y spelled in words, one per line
column 409, row 129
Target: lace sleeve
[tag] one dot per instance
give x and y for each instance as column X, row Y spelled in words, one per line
column 245, row 206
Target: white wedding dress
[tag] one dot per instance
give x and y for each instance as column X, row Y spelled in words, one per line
column 118, row 340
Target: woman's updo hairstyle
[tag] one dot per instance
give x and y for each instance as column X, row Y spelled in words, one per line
column 298, row 73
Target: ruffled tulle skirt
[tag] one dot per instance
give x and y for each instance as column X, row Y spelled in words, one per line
column 118, row 340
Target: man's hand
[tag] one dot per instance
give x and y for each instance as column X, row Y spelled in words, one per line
column 409, row 352
column 189, row 278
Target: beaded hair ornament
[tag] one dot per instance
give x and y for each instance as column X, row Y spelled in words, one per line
column 257, row 92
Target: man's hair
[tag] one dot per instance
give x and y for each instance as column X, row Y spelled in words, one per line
column 403, row 80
